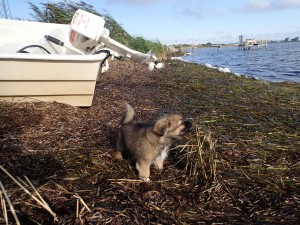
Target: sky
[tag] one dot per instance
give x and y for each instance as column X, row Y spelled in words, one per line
column 195, row 21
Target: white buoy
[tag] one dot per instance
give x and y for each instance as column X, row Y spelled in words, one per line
column 226, row 70
column 151, row 66
column 177, row 58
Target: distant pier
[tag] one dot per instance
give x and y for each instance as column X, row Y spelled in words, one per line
column 250, row 44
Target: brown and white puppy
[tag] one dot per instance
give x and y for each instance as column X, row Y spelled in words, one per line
column 149, row 144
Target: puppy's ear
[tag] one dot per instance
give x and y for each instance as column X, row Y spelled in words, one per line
column 161, row 125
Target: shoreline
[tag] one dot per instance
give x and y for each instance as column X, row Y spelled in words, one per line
column 255, row 63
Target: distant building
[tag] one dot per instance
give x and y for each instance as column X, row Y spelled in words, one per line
column 292, row 39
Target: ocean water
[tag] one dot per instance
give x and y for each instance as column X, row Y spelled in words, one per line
column 278, row 62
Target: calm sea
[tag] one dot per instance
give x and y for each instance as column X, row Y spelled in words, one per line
column 278, row 62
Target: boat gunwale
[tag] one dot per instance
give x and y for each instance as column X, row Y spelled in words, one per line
column 50, row 57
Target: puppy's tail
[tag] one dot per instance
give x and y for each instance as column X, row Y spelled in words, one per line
column 128, row 117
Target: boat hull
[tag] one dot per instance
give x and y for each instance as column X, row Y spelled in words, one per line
column 68, row 79
column 62, row 76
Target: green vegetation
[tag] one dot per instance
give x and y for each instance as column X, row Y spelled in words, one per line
column 62, row 12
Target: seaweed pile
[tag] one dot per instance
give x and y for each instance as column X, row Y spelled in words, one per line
column 240, row 165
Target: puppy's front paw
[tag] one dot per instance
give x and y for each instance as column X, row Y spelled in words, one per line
column 118, row 155
column 159, row 167
column 146, row 179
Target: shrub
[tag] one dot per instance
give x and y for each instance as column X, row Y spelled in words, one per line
column 63, row 11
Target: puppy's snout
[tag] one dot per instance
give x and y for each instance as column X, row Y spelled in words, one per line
column 188, row 125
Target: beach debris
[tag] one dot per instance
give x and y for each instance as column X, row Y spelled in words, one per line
column 177, row 58
column 208, row 65
column 224, row 69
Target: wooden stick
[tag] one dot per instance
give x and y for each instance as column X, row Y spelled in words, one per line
column 29, row 193
column 10, row 204
column 82, row 202
column 4, row 211
column 46, row 206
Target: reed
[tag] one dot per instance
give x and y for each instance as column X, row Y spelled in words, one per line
column 199, row 156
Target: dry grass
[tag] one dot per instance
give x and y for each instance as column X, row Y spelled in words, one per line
column 199, row 157
column 240, row 165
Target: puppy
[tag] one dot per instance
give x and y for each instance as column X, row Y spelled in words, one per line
column 149, row 144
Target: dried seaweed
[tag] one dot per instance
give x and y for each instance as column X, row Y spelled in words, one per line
column 239, row 165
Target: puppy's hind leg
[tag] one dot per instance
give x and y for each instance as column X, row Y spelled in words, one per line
column 119, row 146
column 143, row 167
column 118, row 155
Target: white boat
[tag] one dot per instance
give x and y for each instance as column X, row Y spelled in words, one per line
column 55, row 62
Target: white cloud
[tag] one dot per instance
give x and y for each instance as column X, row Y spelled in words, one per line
column 259, row 5
column 192, row 12
column 133, row 2
column 290, row 3
column 218, row 11
column 270, row 5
